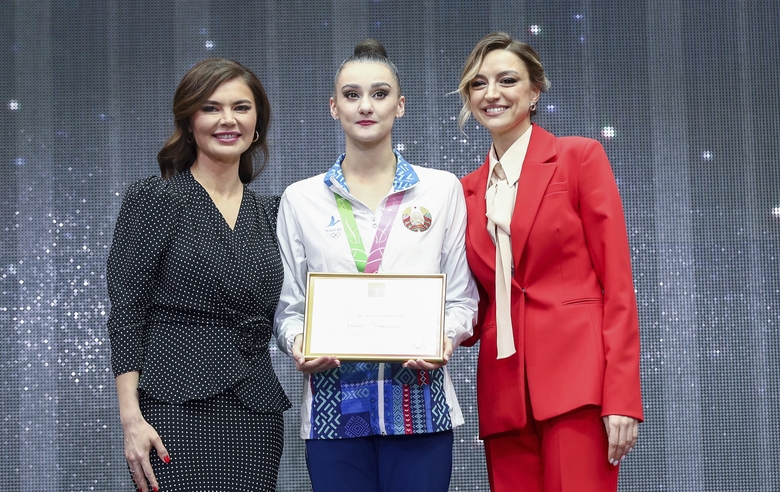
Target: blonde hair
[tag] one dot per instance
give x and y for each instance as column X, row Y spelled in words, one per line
column 491, row 42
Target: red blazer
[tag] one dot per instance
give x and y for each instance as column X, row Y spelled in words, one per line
column 574, row 310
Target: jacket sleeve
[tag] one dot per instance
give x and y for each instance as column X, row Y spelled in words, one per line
column 482, row 308
column 461, row 297
column 288, row 320
column 467, row 185
column 143, row 229
column 605, row 232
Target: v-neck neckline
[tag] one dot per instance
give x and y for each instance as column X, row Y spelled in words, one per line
column 214, row 205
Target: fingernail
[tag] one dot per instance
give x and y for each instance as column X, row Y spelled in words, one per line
column 167, row 458
column 612, row 461
column 155, row 489
column 624, row 457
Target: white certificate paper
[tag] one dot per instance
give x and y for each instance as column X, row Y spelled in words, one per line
column 387, row 317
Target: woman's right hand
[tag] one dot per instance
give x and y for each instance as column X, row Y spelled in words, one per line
column 140, row 438
column 311, row 366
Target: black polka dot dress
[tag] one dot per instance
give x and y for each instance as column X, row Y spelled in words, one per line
column 192, row 303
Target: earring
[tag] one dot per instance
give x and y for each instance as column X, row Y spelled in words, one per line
column 191, row 136
column 257, row 136
column 532, row 106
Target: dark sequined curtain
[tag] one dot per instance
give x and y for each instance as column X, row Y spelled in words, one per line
column 682, row 93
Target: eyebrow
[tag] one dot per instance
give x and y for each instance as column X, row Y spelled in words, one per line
column 501, row 74
column 373, row 86
column 218, row 103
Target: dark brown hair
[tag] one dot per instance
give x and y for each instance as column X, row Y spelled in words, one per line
column 197, row 85
column 370, row 51
column 499, row 41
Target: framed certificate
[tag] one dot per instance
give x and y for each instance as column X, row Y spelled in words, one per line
column 374, row 317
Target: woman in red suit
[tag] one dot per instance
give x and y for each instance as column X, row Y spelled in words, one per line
column 558, row 372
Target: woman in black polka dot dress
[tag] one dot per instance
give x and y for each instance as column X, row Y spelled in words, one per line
column 194, row 276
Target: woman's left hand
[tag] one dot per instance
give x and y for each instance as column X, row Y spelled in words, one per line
column 621, row 432
column 311, row 366
column 424, row 365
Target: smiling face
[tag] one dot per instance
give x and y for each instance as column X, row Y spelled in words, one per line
column 224, row 126
column 500, row 96
column 367, row 102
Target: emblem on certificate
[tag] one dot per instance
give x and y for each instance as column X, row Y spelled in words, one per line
column 374, row 317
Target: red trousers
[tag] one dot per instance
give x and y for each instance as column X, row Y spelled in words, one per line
column 567, row 453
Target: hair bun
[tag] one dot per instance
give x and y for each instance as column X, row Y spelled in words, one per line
column 370, row 46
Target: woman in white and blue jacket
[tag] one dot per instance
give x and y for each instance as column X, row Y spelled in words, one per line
column 375, row 426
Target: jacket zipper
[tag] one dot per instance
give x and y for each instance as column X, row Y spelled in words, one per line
column 380, row 395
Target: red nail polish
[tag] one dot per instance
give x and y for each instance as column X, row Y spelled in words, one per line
column 155, row 489
column 167, row 459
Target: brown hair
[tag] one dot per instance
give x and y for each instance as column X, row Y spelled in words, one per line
column 197, row 85
column 498, row 41
column 370, row 51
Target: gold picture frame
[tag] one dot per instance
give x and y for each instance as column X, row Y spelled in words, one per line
column 374, row 317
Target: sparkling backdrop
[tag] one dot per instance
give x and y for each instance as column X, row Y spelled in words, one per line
column 683, row 95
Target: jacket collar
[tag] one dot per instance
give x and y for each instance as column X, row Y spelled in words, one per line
column 405, row 175
column 538, row 168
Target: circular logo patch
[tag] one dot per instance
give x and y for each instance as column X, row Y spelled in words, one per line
column 417, row 219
